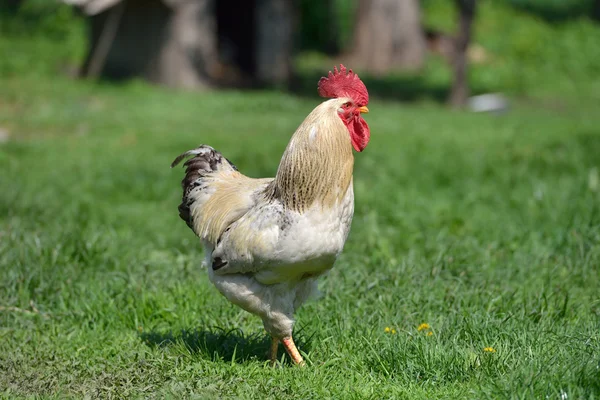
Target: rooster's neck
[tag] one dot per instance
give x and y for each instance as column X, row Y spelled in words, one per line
column 316, row 168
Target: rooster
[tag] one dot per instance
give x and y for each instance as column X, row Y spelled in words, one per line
column 266, row 241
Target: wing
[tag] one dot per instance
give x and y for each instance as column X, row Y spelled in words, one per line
column 246, row 230
column 215, row 194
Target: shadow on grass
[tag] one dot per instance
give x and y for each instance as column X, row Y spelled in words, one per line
column 220, row 345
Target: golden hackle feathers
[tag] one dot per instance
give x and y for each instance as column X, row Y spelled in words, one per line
column 318, row 161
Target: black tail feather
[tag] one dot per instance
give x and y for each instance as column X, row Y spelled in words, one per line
column 205, row 160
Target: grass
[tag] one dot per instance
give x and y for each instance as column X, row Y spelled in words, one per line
column 487, row 228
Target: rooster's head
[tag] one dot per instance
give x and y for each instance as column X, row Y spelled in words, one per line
column 345, row 84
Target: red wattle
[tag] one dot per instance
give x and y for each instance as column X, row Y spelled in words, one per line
column 359, row 133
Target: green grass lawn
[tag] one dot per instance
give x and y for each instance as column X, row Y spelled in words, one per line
column 487, row 228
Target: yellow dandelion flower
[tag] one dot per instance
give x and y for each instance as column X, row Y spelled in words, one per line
column 393, row 331
column 429, row 333
column 387, row 329
column 489, row 349
column 423, row 326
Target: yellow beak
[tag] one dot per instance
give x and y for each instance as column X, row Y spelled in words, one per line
column 363, row 110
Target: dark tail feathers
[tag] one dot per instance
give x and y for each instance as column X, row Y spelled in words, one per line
column 204, row 160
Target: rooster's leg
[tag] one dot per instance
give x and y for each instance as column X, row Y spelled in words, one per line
column 290, row 347
column 273, row 353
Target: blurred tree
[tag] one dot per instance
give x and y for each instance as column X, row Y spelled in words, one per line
column 10, row 5
column 190, row 43
column 273, row 30
column 596, row 10
column 320, row 26
column 460, row 88
column 331, row 43
column 388, row 36
column 236, row 47
column 171, row 42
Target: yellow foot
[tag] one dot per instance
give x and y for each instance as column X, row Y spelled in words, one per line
column 290, row 347
column 273, row 353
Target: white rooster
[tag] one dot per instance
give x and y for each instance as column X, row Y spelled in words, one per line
column 266, row 241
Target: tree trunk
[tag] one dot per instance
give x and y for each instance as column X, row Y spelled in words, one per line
column 10, row 5
column 388, row 36
column 174, row 46
column 189, row 52
column 460, row 86
column 332, row 41
column 274, row 41
column 237, row 64
column 596, row 10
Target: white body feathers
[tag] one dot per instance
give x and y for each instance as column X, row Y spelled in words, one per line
column 282, row 270
column 267, row 240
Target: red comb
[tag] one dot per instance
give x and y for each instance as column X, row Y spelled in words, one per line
column 344, row 83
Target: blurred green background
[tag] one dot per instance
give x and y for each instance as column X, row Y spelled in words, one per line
column 532, row 48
